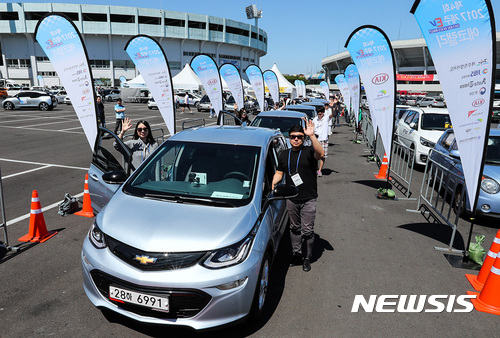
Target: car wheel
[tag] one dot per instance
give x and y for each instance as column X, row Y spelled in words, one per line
column 196, row 104
column 150, row 107
column 459, row 199
column 8, row 105
column 199, row 110
column 43, row 106
column 110, row 99
column 259, row 299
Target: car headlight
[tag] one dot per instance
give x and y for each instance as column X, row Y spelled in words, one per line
column 426, row 142
column 489, row 185
column 96, row 237
column 229, row 256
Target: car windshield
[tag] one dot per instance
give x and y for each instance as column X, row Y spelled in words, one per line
column 197, row 172
column 436, row 121
column 493, row 152
column 282, row 124
column 309, row 112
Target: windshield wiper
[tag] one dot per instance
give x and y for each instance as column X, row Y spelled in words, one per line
column 182, row 199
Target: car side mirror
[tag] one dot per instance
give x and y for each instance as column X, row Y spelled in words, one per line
column 114, row 177
column 455, row 154
column 284, row 191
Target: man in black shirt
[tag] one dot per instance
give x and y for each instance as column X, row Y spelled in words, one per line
column 299, row 165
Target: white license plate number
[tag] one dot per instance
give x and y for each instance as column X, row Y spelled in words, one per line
column 127, row 296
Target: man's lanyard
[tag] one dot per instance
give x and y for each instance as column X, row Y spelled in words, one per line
column 298, row 159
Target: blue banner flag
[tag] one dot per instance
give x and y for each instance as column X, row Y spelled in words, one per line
column 63, row 45
column 206, row 69
column 231, row 75
column 257, row 81
column 150, row 60
column 372, row 54
column 461, row 38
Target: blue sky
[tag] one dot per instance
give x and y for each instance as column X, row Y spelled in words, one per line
column 301, row 33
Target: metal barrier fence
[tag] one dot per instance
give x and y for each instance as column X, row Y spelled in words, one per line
column 196, row 123
column 402, row 164
column 226, row 118
column 442, row 192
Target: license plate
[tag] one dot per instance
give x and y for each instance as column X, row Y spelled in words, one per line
column 127, row 296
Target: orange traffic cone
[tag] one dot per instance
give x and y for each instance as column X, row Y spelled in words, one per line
column 38, row 230
column 382, row 174
column 478, row 281
column 87, row 210
column 489, row 298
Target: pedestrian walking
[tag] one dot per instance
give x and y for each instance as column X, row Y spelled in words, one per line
column 120, row 115
column 321, row 127
column 101, row 118
column 298, row 166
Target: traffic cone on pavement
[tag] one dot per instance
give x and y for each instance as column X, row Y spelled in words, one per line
column 38, row 230
column 382, row 174
column 489, row 298
column 478, row 281
column 87, row 210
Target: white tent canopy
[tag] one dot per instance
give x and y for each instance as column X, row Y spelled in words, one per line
column 285, row 85
column 137, row 82
column 187, row 79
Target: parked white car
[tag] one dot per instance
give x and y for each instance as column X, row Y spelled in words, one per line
column 420, row 128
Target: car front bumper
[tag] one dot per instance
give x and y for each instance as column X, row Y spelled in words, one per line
column 195, row 300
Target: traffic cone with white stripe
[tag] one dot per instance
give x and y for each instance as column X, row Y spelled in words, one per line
column 478, row 281
column 488, row 300
column 38, row 230
column 87, row 210
column 382, row 174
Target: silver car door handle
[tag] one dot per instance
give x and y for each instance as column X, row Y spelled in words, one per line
column 94, row 177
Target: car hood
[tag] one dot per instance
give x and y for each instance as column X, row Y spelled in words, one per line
column 431, row 135
column 166, row 226
column 493, row 171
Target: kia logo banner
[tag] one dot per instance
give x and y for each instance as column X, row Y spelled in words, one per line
column 206, row 69
column 232, row 76
column 461, row 40
column 256, row 79
column 372, row 54
column 150, row 60
column 63, row 45
column 272, row 84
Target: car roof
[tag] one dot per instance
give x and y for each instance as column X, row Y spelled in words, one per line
column 282, row 113
column 237, row 135
column 314, row 104
column 302, row 106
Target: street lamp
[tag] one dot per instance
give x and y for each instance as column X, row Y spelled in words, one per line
column 253, row 13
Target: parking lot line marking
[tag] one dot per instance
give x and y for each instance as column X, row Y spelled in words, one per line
column 44, row 164
column 21, row 218
column 40, row 129
column 44, row 124
column 25, row 172
column 80, row 127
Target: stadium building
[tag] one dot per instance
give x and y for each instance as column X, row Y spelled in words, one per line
column 412, row 60
column 106, row 30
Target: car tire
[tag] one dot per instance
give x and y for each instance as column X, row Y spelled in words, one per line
column 196, row 104
column 199, row 110
column 261, row 289
column 150, row 107
column 456, row 202
column 43, row 106
column 110, row 99
column 8, row 105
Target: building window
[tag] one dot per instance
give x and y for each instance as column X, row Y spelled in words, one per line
column 254, row 35
column 123, row 64
column 47, row 74
column 261, row 38
column 149, row 20
column 252, row 60
column 100, row 17
column 99, row 63
column 230, row 57
column 72, row 16
column 122, row 18
column 42, row 59
column 238, row 31
column 174, row 22
column 245, row 59
column 174, row 65
column 216, row 27
column 24, row 63
column 13, row 63
column 9, row 16
column 197, row 24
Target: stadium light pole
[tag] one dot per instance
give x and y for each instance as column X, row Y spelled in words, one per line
column 253, row 13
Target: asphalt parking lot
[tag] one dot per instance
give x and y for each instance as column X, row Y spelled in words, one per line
column 364, row 246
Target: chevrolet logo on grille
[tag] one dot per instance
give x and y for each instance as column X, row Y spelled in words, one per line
column 145, row 259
